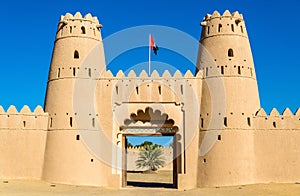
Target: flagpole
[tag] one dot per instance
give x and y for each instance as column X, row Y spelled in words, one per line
column 149, row 65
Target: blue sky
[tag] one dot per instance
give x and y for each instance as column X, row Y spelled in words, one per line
column 162, row 140
column 28, row 31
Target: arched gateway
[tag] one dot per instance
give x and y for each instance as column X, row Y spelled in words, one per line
column 150, row 122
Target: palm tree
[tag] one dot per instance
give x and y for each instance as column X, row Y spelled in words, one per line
column 151, row 158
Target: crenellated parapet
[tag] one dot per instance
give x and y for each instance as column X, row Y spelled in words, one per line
column 276, row 121
column 78, row 26
column 154, row 88
column 23, row 120
column 226, row 24
column 154, row 75
column 231, row 56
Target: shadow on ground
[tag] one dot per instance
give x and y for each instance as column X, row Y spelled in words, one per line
column 150, row 184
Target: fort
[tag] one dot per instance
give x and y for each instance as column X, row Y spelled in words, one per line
column 221, row 135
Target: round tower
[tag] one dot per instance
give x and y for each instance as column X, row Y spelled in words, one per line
column 66, row 158
column 230, row 67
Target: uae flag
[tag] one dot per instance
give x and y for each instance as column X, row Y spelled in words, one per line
column 153, row 45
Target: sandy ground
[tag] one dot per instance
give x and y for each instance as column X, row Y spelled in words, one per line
column 32, row 188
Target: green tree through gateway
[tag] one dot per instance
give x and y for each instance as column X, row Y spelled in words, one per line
column 150, row 157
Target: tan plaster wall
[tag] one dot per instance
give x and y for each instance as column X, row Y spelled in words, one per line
column 22, row 145
column 230, row 161
column 176, row 95
column 277, row 148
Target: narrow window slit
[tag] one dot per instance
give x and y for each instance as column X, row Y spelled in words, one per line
column 159, row 89
column 117, row 90
column 225, row 121
column 249, row 121
column 93, row 122
column 181, row 89
column 71, row 122
column 90, row 72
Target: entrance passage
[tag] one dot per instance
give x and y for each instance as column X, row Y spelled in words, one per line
column 149, row 161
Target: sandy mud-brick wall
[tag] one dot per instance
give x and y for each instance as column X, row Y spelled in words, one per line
column 22, row 142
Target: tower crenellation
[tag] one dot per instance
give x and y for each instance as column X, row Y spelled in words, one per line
column 233, row 56
column 228, row 23
column 71, row 49
column 79, row 26
column 224, row 39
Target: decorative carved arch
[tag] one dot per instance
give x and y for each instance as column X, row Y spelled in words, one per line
column 150, row 116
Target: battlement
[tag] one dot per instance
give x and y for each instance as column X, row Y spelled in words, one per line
column 226, row 14
column 154, row 75
column 154, row 88
column 78, row 72
column 77, row 25
column 259, row 120
column 78, row 16
column 274, row 113
column 275, row 120
column 228, row 23
column 25, row 119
